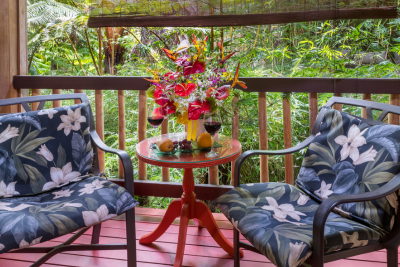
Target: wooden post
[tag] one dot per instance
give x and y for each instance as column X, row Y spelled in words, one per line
column 142, row 125
column 22, row 44
column 364, row 110
column 213, row 175
column 13, row 48
column 313, row 109
column 287, row 135
column 165, row 170
column 338, row 106
column 235, row 131
column 121, row 127
column 394, row 100
column 77, row 91
column 263, row 135
column 56, row 103
column 100, row 125
column 36, row 92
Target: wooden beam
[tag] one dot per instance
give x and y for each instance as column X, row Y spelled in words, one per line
column 295, row 85
column 174, row 190
column 10, row 49
column 142, row 126
column 263, row 135
column 235, row 131
column 242, row 19
column 364, row 110
column 313, row 109
column 287, row 137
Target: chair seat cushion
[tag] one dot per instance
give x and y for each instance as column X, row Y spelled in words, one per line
column 26, row 221
column 278, row 220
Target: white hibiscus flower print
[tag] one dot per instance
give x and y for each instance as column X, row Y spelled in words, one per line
column 8, row 133
column 24, row 244
column 72, row 121
column 45, row 152
column 90, row 188
column 91, row 218
column 351, row 143
column 324, row 191
column 302, row 199
column 282, row 211
column 5, row 206
column 353, row 239
column 75, row 205
column 2, row 247
column 8, row 190
column 295, row 252
column 63, row 193
column 49, row 112
column 61, row 176
column 368, row 155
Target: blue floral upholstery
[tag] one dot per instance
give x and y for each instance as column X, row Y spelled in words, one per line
column 26, row 221
column 42, row 150
column 348, row 157
column 278, row 220
column 47, row 188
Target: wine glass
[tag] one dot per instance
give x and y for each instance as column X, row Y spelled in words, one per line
column 212, row 126
column 155, row 116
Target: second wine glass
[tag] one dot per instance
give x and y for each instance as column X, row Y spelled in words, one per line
column 212, row 126
column 155, row 116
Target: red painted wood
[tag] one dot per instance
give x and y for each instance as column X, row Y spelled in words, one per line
column 180, row 249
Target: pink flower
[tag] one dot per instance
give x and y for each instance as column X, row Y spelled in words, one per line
column 368, row 155
column 351, row 143
column 282, row 211
column 324, row 191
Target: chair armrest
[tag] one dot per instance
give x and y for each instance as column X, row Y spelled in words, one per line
column 249, row 153
column 125, row 159
column 330, row 203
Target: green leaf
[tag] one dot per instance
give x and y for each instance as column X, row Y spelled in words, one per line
column 87, row 131
column 31, row 145
column 93, row 205
column 44, row 222
column 307, row 208
column 379, row 177
column 64, row 224
column 88, row 147
column 29, row 137
column 20, row 168
column 16, row 140
column 37, row 180
column 34, row 156
column 62, row 157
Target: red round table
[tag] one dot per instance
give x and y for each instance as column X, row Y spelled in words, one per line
column 188, row 207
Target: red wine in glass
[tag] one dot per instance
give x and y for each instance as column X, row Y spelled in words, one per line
column 212, row 127
column 155, row 121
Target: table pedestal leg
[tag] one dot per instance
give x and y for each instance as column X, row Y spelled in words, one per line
column 198, row 223
column 180, row 250
column 173, row 211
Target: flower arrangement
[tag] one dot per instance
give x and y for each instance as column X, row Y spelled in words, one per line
column 199, row 83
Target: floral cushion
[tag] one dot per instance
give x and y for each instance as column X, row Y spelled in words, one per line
column 349, row 156
column 278, row 220
column 42, row 150
column 30, row 220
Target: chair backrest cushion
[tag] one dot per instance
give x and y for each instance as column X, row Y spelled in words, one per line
column 349, row 156
column 42, row 150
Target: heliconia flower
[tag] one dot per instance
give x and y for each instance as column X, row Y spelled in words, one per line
column 171, row 55
column 220, row 93
column 185, row 89
column 236, row 81
column 197, row 67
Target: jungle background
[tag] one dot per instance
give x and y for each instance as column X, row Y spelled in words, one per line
column 60, row 43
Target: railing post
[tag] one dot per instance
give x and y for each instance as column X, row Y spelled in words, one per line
column 98, row 99
column 313, row 109
column 142, row 125
column 394, row 100
column 213, row 175
column 338, row 106
column 165, row 170
column 56, row 103
column 121, row 127
column 287, row 135
column 263, row 135
column 36, row 92
column 77, row 91
column 364, row 110
column 235, row 131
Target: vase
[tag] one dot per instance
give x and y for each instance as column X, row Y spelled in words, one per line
column 194, row 129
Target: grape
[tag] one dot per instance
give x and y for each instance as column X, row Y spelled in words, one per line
column 175, row 142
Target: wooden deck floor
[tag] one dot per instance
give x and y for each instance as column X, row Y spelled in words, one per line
column 201, row 249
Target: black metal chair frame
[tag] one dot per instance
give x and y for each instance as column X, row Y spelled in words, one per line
column 391, row 242
column 97, row 144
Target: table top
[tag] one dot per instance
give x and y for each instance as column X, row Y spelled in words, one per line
column 230, row 150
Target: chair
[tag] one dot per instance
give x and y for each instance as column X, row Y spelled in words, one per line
column 345, row 200
column 50, row 181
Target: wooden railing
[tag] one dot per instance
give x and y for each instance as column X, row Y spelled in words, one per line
column 313, row 86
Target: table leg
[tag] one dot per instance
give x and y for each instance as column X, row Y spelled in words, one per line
column 180, row 250
column 198, row 223
column 203, row 213
column 173, row 211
